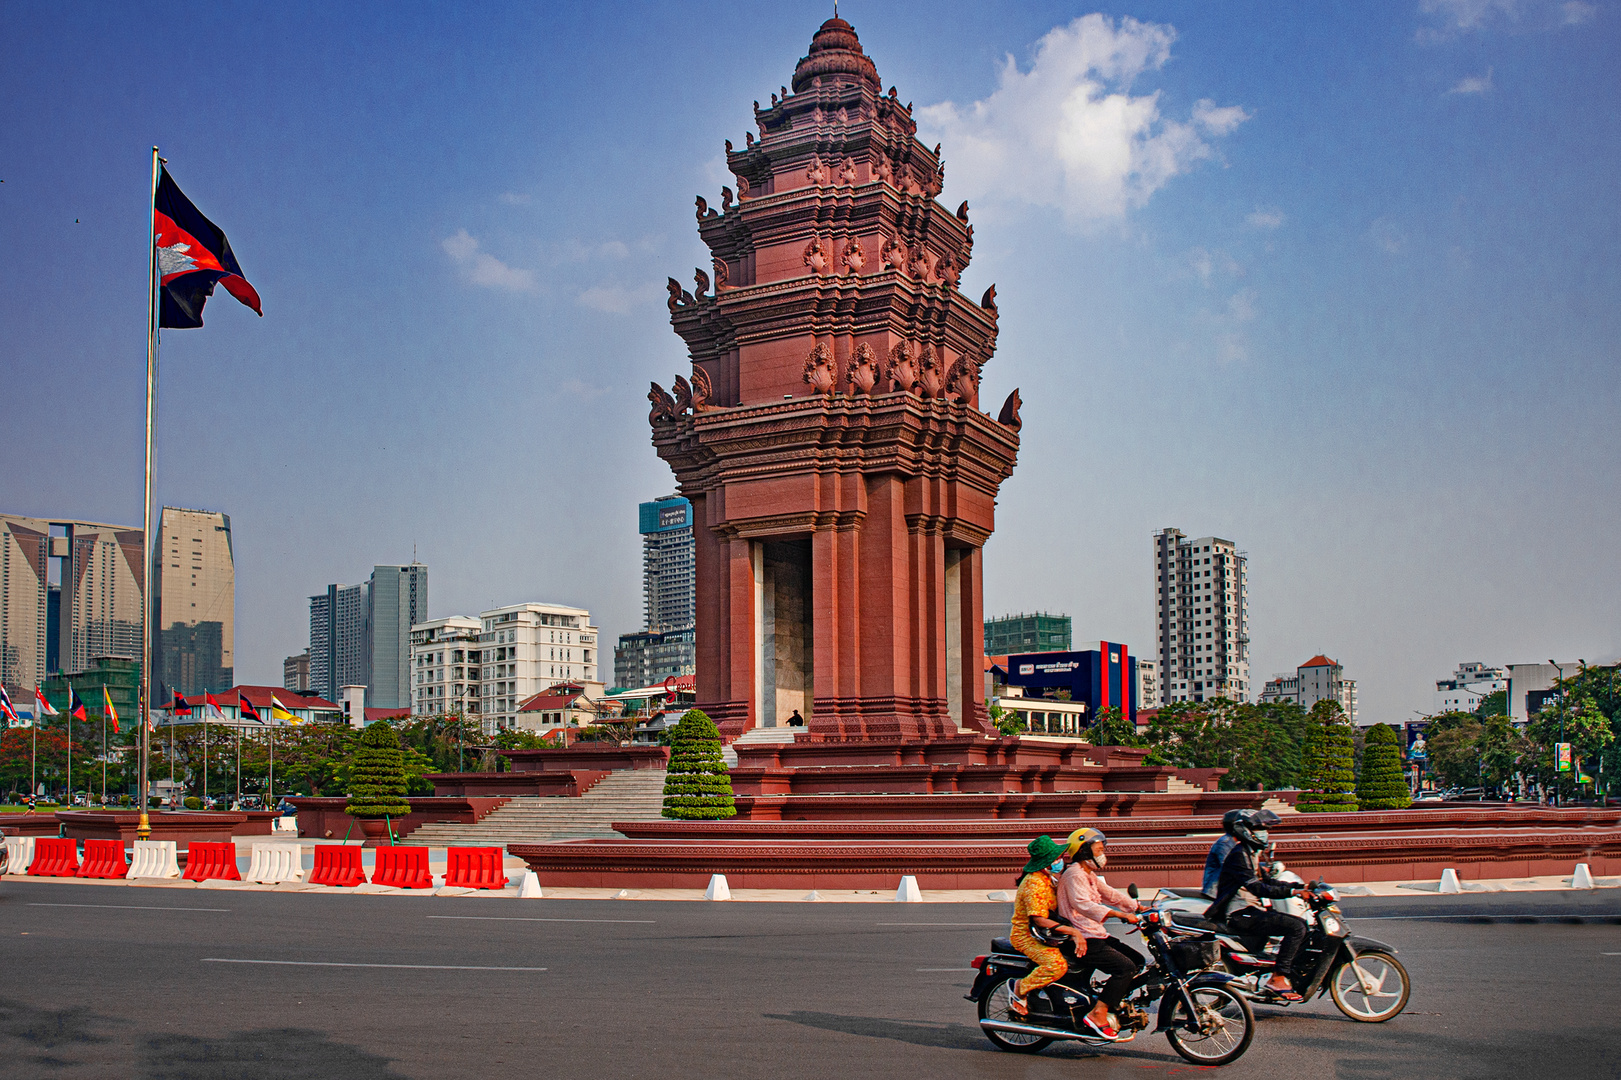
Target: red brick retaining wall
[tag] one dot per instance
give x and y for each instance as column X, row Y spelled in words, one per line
column 325, row 818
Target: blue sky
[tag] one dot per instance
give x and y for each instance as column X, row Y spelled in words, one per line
column 1338, row 283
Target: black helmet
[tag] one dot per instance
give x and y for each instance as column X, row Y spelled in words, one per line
column 1244, row 825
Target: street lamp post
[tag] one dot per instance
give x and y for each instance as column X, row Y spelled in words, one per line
column 1561, row 669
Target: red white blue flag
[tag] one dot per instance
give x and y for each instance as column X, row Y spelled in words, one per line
column 193, row 255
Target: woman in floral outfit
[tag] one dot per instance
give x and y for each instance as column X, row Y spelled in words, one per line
column 1032, row 905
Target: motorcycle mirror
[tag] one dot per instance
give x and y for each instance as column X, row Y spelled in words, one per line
column 1131, row 890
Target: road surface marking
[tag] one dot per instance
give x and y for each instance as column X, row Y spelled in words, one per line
column 947, row 969
column 982, row 925
column 524, row 918
column 133, row 907
column 333, row 963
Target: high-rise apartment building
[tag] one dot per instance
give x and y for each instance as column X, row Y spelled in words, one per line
column 668, row 567
column 194, row 578
column 1040, row 632
column 445, row 667
column 397, row 599
column 295, row 673
column 667, row 644
column 527, row 648
column 1202, row 608
column 70, row 591
column 340, row 643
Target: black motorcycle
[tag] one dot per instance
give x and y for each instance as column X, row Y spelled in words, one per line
column 1204, row 1018
column 1362, row 976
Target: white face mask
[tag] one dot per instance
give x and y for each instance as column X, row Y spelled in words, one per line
column 1261, row 837
column 1099, row 859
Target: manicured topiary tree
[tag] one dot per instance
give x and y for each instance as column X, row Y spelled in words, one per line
column 1382, row 785
column 377, row 778
column 1330, row 785
column 698, row 787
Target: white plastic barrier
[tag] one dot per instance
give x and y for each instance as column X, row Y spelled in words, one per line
column 287, row 823
column 154, row 859
column 273, row 864
column 19, row 854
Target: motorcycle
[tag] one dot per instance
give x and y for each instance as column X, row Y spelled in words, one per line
column 1360, row 975
column 1205, row 1019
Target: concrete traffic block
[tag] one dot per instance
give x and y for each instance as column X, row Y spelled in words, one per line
column 1449, row 881
column 1583, row 878
column 812, row 895
column 154, row 859
column 908, row 893
column 19, row 854
column 273, row 864
column 1001, row 897
column 530, row 889
column 718, row 889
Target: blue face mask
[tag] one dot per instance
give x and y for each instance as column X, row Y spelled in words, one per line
column 1057, row 867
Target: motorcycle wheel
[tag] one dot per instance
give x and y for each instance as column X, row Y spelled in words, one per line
column 994, row 1006
column 1222, row 1031
column 1391, row 988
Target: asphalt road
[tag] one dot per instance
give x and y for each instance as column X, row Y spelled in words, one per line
column 195, row 984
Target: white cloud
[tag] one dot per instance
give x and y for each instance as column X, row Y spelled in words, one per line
column 1205, row 264
column 1241, row 306
column 1452, row 17
column 1473, row 84
column 583, row 390
column 482, row 268
column 1265, row 217
column 1385, row 233
column 1575, row 12
column 1068, row 133
column 618, row 299
column 515, row 198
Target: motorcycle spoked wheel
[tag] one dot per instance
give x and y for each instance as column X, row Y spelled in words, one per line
column 1221, row 1031
column 994, row 1006
column 1391, row 988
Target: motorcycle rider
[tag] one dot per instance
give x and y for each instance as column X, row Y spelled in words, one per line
column 1245, row 881
column 1032, row 906
column 1086, row 900
column 1218, row 854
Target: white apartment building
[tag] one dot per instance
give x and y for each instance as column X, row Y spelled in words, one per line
column 1202, row 608
column 1147, row 683
column 1318, row 679
column 527, row 648
column 445, row 667
column 1467, row 686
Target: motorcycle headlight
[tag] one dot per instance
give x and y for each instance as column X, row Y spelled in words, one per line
column 1335, row 909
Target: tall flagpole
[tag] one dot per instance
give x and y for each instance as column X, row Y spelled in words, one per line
column 144, row 829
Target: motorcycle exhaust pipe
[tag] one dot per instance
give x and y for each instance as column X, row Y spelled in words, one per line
column 1029, row 1029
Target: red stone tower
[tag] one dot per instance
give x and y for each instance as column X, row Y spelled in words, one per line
column 843, row 479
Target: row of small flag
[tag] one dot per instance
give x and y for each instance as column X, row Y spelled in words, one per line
column 245, row 708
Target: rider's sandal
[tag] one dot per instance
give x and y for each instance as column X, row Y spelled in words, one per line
column 1102, row 1029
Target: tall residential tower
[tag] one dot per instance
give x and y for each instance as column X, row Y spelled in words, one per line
column 194, row 574
column 667, row 646
column 1202, row 609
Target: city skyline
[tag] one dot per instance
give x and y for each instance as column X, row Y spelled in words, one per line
column 1340, row 285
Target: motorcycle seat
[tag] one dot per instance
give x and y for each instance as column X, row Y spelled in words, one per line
column 1191, row 922
column 1003, row 945
column 1187, row 894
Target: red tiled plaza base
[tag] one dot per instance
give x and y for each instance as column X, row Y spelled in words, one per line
column 861, row 864
column 1454, row 817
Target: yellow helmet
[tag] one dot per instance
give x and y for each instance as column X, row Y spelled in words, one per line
column 1080, row 843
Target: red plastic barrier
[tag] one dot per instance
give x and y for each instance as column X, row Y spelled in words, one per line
column 209, row 861
column 103, row 859
column 474, row 868
column 337, row 865
column 55, row 856
column 402, row 867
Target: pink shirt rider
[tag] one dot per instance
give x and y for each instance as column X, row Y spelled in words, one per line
column 1085, row 899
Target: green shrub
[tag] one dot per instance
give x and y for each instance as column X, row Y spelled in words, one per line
column 698, row 786
column 1382, row 785
column 377, row 777
column 1330, row 786
column 193, row 803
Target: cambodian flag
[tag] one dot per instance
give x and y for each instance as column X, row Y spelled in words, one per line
column 75, row 706
column 246, row 709
column 193, row 255
column 180, row 706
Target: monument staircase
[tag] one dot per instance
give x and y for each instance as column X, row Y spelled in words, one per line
column 754, row 736
column 623, row 795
